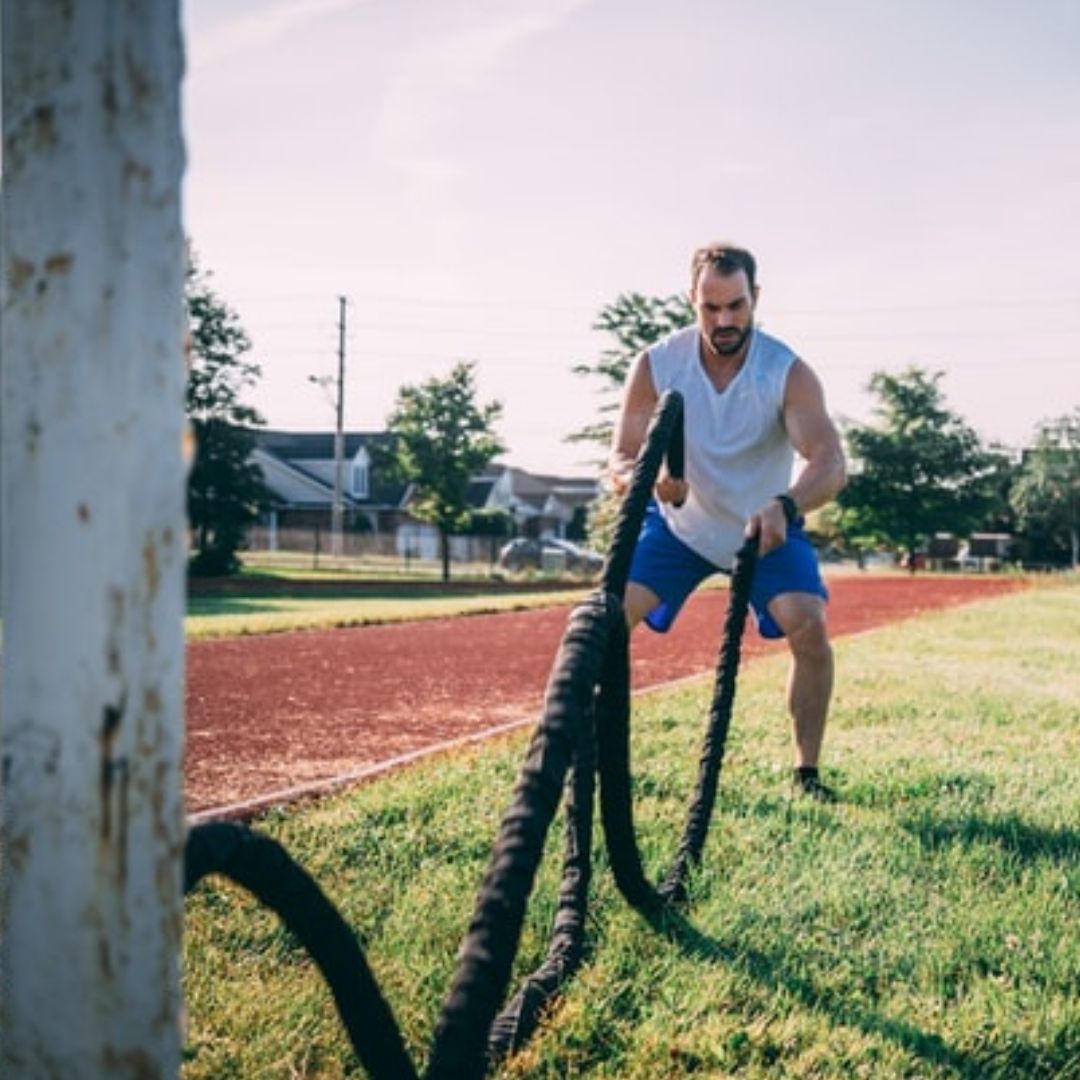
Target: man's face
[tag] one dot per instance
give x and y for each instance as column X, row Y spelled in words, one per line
column 724, row 304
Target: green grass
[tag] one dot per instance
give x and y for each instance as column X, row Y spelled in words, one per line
column 262, row 613
column 928, row 926
column 370, row 566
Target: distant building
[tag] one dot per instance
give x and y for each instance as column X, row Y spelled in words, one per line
column 298, row 470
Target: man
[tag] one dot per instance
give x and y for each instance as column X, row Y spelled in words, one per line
column 749, row 405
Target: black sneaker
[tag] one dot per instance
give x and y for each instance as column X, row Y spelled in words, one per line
column 808, row 784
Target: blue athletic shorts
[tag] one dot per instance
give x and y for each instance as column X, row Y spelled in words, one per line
column 667, row 567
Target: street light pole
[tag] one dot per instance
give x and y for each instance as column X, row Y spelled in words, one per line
column 336, row 544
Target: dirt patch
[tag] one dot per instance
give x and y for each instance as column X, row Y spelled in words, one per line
column 278, row 711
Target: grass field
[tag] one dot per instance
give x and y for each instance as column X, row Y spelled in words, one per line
column 928, row 926
column 256, row 613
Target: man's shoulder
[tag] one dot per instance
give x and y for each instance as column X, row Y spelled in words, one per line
column 772, row 353
column 674, row 340
column 773, row 344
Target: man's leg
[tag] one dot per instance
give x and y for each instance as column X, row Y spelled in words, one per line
column 802, row 618
column 638, row 601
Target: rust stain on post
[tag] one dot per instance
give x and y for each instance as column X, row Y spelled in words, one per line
column 150, row 565
column 33, row 436
column 43, row 123
column 111, row 718
column 20, row 271
column 142, row 85
column 136, row 171
column 60, row 263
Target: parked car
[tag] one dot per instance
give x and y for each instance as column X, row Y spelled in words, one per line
column 550, row 552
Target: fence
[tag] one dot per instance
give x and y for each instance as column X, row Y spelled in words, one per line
column 407, row 550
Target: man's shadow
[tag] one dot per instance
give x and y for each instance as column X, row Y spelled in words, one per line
column 774, row 970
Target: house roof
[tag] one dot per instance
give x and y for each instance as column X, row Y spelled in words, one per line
column 480, row 491
column 314, row 444
column 296, row 455
column 296, row 465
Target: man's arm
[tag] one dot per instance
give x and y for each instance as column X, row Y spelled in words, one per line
column 816, row 439
column 638, row 403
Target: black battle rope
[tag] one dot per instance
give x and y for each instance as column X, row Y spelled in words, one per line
column 460, row 1048
column 590, row 677
column 520, row 1017
column 566, row 949
column 613, row 738
column 712, row 752
column 264, row 868
column 613, row 701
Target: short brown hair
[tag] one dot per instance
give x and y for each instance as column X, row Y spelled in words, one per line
column 726, row 259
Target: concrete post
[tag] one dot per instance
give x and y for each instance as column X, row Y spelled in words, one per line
column 94, row 539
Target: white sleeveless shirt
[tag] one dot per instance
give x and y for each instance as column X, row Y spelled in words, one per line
column 738, row 453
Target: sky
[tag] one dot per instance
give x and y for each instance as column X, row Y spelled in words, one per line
column 479, row 178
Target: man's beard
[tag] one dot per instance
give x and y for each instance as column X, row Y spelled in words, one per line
column 727, row 345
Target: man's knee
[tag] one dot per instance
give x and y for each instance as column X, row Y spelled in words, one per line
column 802, row 618
column 637, row 603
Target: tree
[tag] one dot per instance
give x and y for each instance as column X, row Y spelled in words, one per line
column 1046, row 494
column 440, row 439
column 635, row 322
column 921, row 470
column 225, row 490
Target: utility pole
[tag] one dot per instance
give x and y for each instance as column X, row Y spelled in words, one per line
column 92, row 384
column 336, row 545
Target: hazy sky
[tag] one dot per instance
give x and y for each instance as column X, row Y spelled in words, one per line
column 479, row 177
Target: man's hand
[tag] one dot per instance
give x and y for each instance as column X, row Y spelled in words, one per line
column 670, row 490
column 769, row 524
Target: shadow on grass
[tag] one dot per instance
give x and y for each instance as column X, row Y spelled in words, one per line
column 892, row 790
column 1011, row 834
column 773, row 971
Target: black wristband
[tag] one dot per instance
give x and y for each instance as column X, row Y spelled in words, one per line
column 791, row 511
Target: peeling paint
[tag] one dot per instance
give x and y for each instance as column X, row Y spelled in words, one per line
column 137, row 171
column 109, row 101
column 43, row 127
column 116, row 611
column 112, row 715
column 60, row 263
column 142, row 85
column 33, row 436
column 151, row 570
column 20, row 271
column 152, row 701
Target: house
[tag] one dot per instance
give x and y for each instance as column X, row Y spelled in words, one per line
column 298, row 469
column 988, row 551
column 538, row 505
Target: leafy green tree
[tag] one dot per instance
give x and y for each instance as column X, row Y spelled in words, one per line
column 839, row 532
column 919, row 471
column 225, row 490
column 440, row 439
column 1046, row 494
column 635, row 322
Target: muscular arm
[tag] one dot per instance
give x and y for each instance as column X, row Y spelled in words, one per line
column 639, row 401
column 816, row 439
